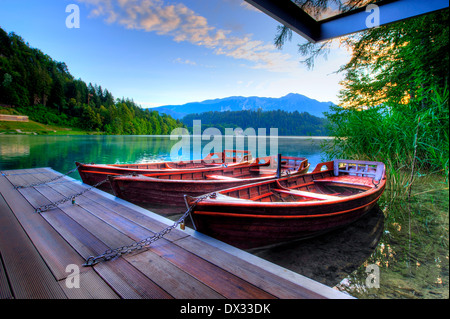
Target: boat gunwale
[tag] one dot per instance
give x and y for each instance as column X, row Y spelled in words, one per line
column 153, row 178
column 225, row 214
column 207, row 158
column 242, row 202
column 201, row 170
column 150, row 178
column 248, row 202
column 168, row 169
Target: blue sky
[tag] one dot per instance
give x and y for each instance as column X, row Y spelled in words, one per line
column 161, row 52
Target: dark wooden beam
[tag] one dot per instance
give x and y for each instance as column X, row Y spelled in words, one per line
column 289, row 14
column 390, row 11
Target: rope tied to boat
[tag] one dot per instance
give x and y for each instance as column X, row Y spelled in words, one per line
column 144, row 243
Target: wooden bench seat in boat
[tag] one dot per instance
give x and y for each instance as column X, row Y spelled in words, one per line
column 347, row 179
column 307, row 194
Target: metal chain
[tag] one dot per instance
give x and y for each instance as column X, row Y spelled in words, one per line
column 48, row 181
column 144, row 243
column 44, row 208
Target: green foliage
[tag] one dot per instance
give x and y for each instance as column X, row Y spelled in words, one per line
column 396, row 62
column 388, row 133
column 287, row 123
column 319, row 10
column 32, row 83
column 395, row 97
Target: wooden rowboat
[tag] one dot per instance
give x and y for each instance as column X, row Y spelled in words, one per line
column 290, row 208
column 170, row 188
column 94, row 173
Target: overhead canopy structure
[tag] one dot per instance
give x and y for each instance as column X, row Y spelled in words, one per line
column 288, row 13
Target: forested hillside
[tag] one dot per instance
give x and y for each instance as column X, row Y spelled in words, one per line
column 288, row 123
column 32, row 83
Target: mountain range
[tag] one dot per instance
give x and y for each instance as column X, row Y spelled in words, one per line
column 289, row 103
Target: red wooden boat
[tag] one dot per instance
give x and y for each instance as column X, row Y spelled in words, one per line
column 94, row 173
column 170, row 188
column 290, row 208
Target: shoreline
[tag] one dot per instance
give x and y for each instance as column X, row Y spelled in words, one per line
column 101, row 134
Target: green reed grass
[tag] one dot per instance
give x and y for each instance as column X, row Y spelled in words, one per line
column 411, row 139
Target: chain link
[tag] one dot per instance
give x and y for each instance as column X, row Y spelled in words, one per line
column 113, row 253
column 48, row 181
column 144, row 243
column 47, row 207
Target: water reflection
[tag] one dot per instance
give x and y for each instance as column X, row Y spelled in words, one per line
column 327, row 259
column 333, row 256
column 10, row 151
column 412, row 253
column 61, row 152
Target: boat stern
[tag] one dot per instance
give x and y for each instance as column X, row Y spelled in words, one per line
column 83, row 176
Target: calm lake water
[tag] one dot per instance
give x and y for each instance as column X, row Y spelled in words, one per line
column 339, row 259
column 60, row 152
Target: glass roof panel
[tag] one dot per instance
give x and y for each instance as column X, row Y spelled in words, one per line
column 324, row 9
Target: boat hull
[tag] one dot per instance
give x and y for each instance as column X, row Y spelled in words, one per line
column 247, row 218
column 251, row 226
column 150, row 190
column 93, row 174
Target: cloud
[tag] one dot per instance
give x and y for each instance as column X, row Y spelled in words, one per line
column 248, row 6
column 184, row 25
column 184, row 61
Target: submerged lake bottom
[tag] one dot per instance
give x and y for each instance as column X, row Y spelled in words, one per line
column 392, row 252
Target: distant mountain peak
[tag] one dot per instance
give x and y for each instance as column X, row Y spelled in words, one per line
column 290, row 103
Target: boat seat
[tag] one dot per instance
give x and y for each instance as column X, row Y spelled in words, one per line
column 347, row 180
column 221, row 177
column 307, row 194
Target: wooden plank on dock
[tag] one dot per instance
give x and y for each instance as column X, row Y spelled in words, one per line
column 258, row 276
column 5, row 289
column 28, row 274
column 183, row 264
column 56, row 251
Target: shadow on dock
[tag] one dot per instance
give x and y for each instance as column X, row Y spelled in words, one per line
column 328, row 258
column 331, row 257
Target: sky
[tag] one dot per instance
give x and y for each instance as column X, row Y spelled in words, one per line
column 170, row 52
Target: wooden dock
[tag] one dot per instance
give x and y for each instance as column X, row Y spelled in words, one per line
column 40, row 252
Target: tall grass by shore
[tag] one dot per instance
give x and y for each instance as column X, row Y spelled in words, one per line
column 411, row 139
